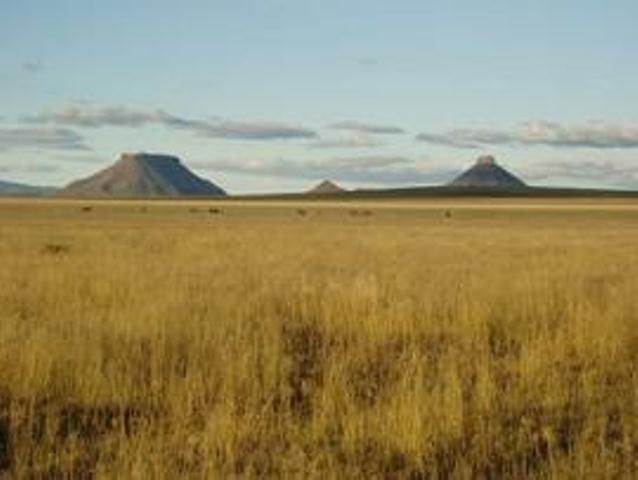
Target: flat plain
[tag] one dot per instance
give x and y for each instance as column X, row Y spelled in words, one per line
column 429, row 338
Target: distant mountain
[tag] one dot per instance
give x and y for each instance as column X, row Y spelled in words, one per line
column 486, row 173
column 326, row 186
column 144, row 175
column 19, row 189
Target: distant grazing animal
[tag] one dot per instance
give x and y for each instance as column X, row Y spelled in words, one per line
column 87, row 209
column 215, row 211
column 360, row 213
column 55, row 249
column 447, row 214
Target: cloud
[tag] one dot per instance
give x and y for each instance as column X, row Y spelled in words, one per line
column 40, row 168
column 41, row 138
column 368, row 61
column 255, row 131
column 353, row 141
column 32, row 67
column 89, row 117
column 86, row 116
column 599, row 135
column 368, row 162
column 367, row 128
column 373, row 169
column 405, row 171
column 30, row 168
column 465, row 138
column 79, row 157
column 590, row 171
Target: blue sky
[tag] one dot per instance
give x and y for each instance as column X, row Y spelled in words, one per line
column 270, row 95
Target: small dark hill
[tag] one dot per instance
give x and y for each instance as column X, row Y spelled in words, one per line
column 486, row 173
column 326, row 187
column 144, row 175
column 21, row 190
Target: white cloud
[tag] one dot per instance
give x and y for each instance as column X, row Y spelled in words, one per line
column 368, row 61
column 367, row 128
column 41, row 138
column 352, row 141
column 603, row 172
column 599, row 135
column 87, row 116
column 376, row 169
column 254, row 131
column 32, row 67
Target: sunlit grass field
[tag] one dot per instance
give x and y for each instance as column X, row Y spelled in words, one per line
column 396, row 339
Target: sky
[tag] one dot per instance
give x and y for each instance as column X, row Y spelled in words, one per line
column 276, row 95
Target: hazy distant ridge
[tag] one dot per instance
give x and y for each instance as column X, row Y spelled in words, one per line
column 20, row 189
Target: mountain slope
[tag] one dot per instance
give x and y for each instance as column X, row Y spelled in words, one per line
column 486, row 173
column 144, row 175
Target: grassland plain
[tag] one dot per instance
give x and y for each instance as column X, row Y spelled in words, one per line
column 321, row 339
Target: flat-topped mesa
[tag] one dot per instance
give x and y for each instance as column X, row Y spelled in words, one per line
column 144, row 175
column 132, row 156
column 145, row 157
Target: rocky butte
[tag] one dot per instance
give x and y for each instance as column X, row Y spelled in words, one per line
column 325, row 187
column 486, row 173
column 144, row 175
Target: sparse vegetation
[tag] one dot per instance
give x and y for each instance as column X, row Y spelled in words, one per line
column 166, row 345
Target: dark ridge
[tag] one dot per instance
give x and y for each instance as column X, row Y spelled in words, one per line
column 21, row 190
column 450, row 192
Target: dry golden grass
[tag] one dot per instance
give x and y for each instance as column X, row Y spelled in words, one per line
column 169, row 340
